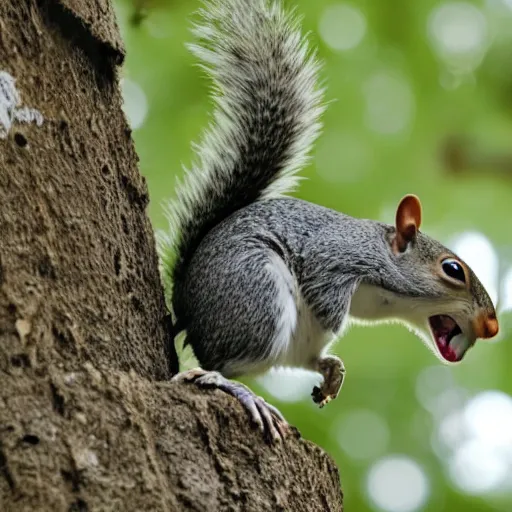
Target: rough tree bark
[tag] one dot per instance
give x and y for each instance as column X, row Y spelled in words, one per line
column 87, row 419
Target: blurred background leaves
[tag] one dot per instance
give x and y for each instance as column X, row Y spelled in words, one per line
column 421, row 102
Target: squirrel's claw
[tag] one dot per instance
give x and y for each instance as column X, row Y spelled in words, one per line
column 267, row 417
column 333, row 371
column 319, row 397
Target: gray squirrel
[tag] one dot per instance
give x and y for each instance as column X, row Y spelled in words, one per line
column 258, row 279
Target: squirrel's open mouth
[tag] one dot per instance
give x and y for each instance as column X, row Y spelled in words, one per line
column 450, row 340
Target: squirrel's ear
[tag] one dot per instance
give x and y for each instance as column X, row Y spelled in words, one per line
column 408, row 220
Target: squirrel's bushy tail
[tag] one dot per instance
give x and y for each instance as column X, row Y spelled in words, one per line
column 266, row 117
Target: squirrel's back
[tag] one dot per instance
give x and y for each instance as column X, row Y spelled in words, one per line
column 266, row 118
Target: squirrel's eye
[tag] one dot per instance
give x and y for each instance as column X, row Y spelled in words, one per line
column 453, row 269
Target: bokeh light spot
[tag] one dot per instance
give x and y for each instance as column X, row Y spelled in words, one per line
column 289, row 384
column 398, row 484
column 342, row 26
column 452, row 431
column 476, row 250
column 489, row 416
column 362, row 434
column 458, row 33
column 390, row 103
column 506, row 291
column 135, row 104
column 476, row 442
column 476, row 469
column 432, row 381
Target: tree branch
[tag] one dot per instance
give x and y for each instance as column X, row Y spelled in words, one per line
column 87, row 419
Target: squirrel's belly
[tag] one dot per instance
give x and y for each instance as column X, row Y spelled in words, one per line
column 309, row 340
column 299, row 339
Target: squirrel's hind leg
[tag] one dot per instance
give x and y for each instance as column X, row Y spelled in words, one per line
column 333, row 371
column 268, row 419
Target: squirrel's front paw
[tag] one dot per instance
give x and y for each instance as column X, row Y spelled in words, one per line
column 320, row 398
column 333, row 371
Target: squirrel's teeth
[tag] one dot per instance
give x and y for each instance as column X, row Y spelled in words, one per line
column 454, row 333
column 459, row 344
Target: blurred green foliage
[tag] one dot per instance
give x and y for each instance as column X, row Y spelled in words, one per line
column 421, row 102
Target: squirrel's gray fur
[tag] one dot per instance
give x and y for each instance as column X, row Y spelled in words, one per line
column 258, row 279
column 265, row 121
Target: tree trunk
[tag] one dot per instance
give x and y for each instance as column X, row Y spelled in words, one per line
column 87, row 419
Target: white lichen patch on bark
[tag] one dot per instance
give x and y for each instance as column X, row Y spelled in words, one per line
column 11, row 111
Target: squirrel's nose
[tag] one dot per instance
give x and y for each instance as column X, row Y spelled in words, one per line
column 486, row 326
